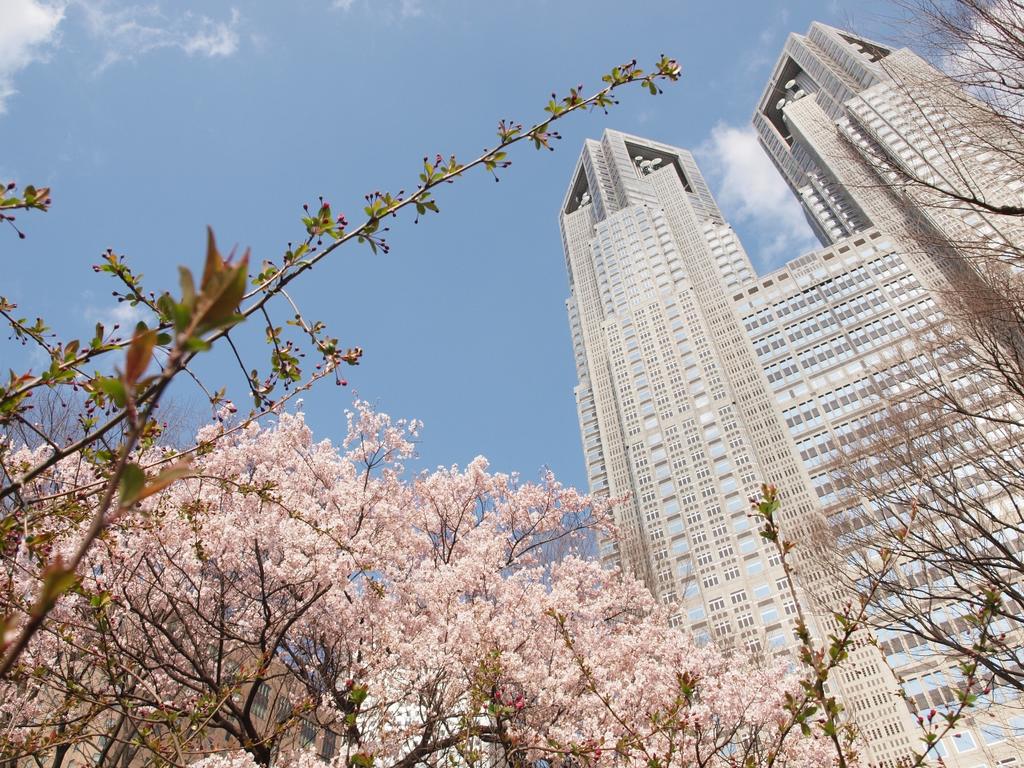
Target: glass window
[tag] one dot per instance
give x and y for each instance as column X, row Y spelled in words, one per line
column 307, row 735
column 1017, row 726
column 327, row 746
column 964, row 742
column 992, row 734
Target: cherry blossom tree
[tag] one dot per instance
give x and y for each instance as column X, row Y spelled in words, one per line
column 292, row 594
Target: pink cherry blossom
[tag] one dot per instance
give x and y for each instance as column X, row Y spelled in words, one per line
column 293, row 588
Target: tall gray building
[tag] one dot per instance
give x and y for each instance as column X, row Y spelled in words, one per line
column 848, row 121
column 876, row 140
column 831, row 67
column 699, row 379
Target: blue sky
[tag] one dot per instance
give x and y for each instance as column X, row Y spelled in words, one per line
column 151, row 120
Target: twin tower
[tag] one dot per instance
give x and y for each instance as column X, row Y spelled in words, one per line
column 699, row 379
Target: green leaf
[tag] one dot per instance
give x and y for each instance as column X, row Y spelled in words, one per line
column 168, row 307
column 188, row 286
column 222, row 288
column 196, row 344
column 133, row 479
column 214, row 262
column 358, row 694
column 114, row 389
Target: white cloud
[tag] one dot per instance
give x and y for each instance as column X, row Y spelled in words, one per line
column 120, row 314
column 751, row 191
column 130, row 31
column 411, row 8
column 404, row 9
column 27, row 31
column 215, row 38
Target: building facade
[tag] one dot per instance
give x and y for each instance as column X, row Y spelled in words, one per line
column 867, row 136
column 874, row 140
column 697, row 378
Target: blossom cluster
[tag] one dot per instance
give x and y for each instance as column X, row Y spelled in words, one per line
column 296, row 593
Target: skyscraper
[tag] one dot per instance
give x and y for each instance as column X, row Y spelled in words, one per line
column 698, row 379
column 832, row 68
column 870, row 136
column 872, row 139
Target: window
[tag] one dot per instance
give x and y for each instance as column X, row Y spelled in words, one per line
column 1017, row 726
column 307, row 735
column 992, row 734
column 963, row 741
column 284, row 711
column 261, row 700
